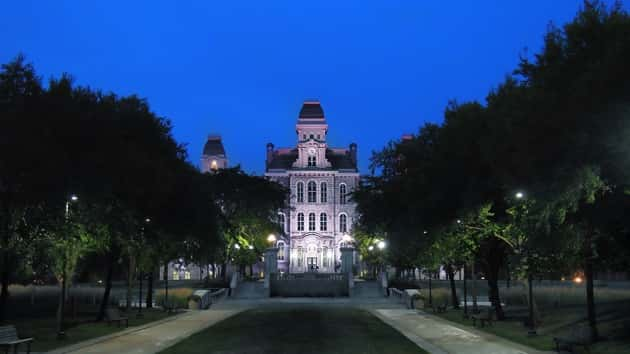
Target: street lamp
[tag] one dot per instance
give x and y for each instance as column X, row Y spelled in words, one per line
column 61, row 334
column 519, row 195
column 250, row 247
column 381, row 245
column 370, row 248
column 237, row 246
column 271, row 238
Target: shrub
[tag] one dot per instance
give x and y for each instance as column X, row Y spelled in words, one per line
column 177, row 298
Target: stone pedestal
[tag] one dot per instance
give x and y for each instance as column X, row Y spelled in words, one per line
column 271, row 264
column 347, row 256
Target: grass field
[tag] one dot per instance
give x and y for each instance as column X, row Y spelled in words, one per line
column 44, row 330
column 298, row 330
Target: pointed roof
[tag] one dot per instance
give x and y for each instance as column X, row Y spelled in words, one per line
column 214, row 146
column 311, row 113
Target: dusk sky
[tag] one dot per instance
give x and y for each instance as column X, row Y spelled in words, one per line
column 241, row 69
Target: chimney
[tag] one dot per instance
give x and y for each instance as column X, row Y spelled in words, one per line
column 269, row 153
column 353, row 153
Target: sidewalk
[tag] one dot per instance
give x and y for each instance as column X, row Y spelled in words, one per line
column 154, row 337
column 439, row 336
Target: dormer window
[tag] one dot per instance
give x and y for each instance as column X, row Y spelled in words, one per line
column 312, row 136
column 312, row 161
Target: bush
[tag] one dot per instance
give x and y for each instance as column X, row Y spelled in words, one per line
column 177, row 298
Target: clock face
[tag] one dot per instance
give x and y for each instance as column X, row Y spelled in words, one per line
column 312, row 151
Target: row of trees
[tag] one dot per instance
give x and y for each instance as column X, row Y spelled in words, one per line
column 537, row 178
column 88, row 177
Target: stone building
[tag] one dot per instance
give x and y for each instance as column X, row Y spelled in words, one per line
column 213, row 156
column 320, row 179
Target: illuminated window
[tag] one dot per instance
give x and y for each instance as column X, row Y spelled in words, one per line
column 323, row 222
column 175, row 275
column 214, row 165
column 187, row 275
column 343, row 223
column 324, row 193
column 300, row 192
column 282, row 221
column 300, row 222
column 281, row 251
column 311, row 222
column 312, row 192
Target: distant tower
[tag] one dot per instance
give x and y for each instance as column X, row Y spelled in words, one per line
column 213, row 156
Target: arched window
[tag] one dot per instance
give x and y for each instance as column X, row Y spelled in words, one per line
column 324, row 193
column 300, row 222
column 312, row 192
column 282, row 221
column 342, row 193
column 343, row 223
column 311, row 222
column 281, row 250
column 312, row 161
column 300, row 192
column 323, row 222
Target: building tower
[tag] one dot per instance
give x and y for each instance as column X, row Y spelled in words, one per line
column 213, row 157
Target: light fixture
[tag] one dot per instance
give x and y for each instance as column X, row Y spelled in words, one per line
column 577, row 279
column 380, row 245
column 519, row 195
column 346, row 238
column 147, row 220
column 251, row 247
column 459, row 221
column 271, row 238
column 237, row 246
column 370, row 248
column 74, row 198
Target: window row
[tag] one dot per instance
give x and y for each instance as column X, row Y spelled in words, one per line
column 311, row 192
column 323, row 222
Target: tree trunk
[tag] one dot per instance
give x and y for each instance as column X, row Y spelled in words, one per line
column 108, row 286
column 150, row 290
column 130, row 280
column 451, row 275
column 588, row 274
column 4, row 278
column 473, row 287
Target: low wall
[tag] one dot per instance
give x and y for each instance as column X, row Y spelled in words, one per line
column 309, row 285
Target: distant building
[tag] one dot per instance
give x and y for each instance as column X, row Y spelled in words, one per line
column 320, row 179
column 213, row 157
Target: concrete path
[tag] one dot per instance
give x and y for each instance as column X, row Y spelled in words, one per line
column 153, row 337
column 439, row 336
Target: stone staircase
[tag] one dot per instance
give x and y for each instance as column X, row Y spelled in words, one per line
column 367, row 289
column 249, row 290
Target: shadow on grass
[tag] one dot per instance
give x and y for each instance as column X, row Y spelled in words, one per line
column 310, row 329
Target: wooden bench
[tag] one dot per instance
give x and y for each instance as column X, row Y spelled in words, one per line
column 580, row 336
column 10, row 340
column 440, row 308
column 483, row 317
column 113, row 315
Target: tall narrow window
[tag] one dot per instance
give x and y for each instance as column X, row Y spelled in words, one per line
column 300, row 222
column 324, row 191
column 300, row 256
column 300, row 192
column 343, row 223
column 342, row 193
column 312, row 192
column 311, row 222
column 312, row 161
column 325, row 257
column 323, row 222
column 282, row 221
column 281, row 251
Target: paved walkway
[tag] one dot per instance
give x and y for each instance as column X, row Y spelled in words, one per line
column 153, row 337
column 439, row 336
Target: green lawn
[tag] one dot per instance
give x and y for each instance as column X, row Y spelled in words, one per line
column 557, row 322
column 44, row 330
column 298, row 330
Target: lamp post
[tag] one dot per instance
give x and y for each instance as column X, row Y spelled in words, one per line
column 61, row 334
column 140, row 273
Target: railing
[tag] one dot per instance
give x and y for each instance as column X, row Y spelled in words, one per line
column 309, row 284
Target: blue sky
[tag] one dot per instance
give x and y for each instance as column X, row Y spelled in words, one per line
column 242, row 68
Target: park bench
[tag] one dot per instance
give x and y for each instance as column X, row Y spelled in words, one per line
column 483, row 317
column 440, row 308
column 580, row 336
column 10, row 340
column 113, row 315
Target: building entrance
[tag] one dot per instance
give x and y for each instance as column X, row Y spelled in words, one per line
column 311, row 263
